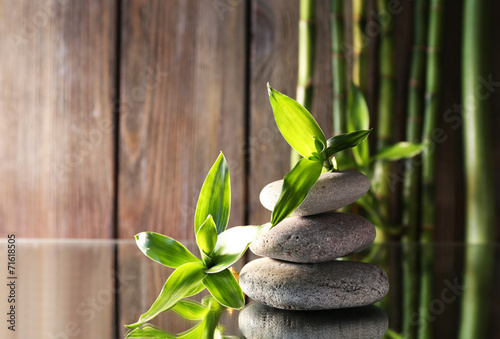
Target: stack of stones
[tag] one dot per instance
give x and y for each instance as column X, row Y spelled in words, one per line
column 299, row 271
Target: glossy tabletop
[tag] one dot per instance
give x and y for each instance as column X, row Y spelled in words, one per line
column 92, row 288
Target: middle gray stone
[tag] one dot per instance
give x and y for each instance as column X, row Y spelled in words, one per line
column 317, row 238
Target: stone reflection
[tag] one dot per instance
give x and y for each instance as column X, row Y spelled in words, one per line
column 258, row 321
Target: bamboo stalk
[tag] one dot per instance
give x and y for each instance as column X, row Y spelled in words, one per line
column 307, row 35
column 432, row 91
column 338, row 66
column 480, row 204
column 411, row 183
column 360, row 57
column 386, row 108
column 414, row 122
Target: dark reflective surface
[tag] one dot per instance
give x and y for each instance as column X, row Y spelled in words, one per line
column 258, row 321
column 90, row 289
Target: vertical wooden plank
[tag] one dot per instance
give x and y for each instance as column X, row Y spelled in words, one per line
column 63, row 290
column 182, row 101
column 56, row 177
column 274, row 31
column 274, row 52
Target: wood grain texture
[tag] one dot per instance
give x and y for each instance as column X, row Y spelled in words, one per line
column 56, row 127
column 182, row 101
column 274, row 28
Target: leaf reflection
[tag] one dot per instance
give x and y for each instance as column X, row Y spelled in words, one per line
column 207, row 313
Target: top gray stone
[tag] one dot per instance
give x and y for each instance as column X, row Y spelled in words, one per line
column 332, row 191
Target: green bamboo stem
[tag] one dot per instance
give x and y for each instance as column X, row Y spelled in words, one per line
column 386, row 108
column 359, row 47
column 307, row 35
column 360, row 53
column 338, row 66
column 480, row 204
column 411, row 183
column 432, row 91
column 414, row 122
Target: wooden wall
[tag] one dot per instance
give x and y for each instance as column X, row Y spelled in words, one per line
column 111, row 112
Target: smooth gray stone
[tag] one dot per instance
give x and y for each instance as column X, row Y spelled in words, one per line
column 317, row 238
column 258, row 321
column 329, row 285
column 332, row 191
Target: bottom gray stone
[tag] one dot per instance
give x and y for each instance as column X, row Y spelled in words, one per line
column 329, row 285
column 258, row 321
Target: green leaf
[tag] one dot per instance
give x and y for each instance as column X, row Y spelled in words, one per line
column 295, row 123
column 215, row 196
column 232, row 244
column 196, row 290
column 344, row 141
column 199, row 331
column 203, row 330
column 149, row 331
column 296, row 186
column 320, row 145
column 358, row 118
column 224, row 287
column 358, row 115
column 398, row 151
column 190, row 309
column 206, row 238
column 206, row 329
column 181, row 282
column 164, row 250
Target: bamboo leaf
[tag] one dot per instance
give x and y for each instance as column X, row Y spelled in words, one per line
column 232, row 244
column 190, row 309
column 215, row 196
column 149, row 331
column 296, row 186
column 358, row 118
column 199, row 331
column 206, row 237
column 295, row 123
column 164, row 250
column 224, row 287
column 181, row 282
column 344, row 141
column 398, row 151
column 197, row 289
column 206, row 329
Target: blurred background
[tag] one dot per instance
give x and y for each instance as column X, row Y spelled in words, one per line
column 113, row 111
